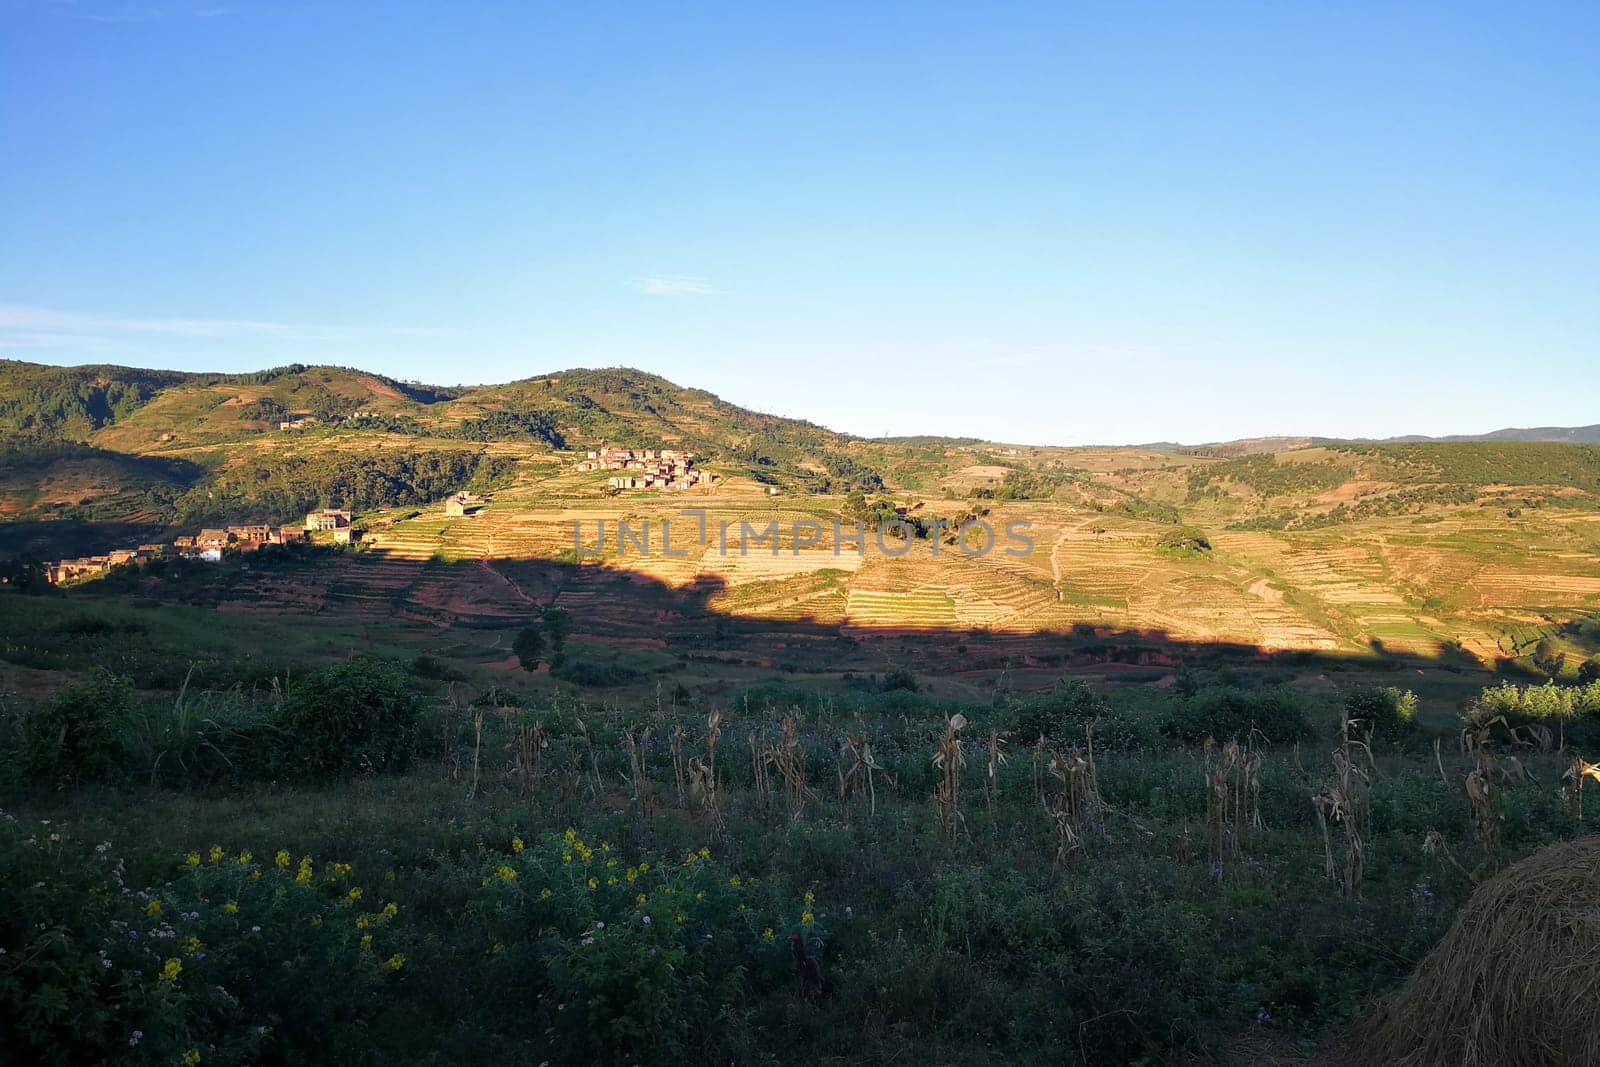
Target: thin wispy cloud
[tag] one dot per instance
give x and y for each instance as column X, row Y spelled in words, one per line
column 678, row 285
column 126, row 13
column 1010, row 360
column 30, row 326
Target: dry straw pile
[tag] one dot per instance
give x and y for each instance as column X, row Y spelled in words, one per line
column 1515, row 981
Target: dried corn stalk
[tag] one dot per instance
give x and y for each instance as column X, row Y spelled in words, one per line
column 949, row 758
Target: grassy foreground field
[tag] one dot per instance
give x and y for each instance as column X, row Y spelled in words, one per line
column 1050, row 877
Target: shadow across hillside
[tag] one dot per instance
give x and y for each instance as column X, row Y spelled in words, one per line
column 472, row 609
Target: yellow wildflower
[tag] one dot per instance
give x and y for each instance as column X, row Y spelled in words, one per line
column 170, row 970
column 544, row 894
column 681, row 918
column 806, row 917
column 355, row 894
column 366, row 942
column 231, row 907
column 216, row 853
column 192, row 945
column 611, row 881
column 593, row 884
column 639, row 899
column 516, row 844
column 734, row 881
column 566, row 857
column 362, row 922
column 766, row 935
column 192, row 859
column 810, row 897
column 643, row 867
column 505, row 874
column 395, row 962
column 191, row 1057
column 633, row 874
column 282, row 858
column 245, row 857
column 303, row 875
column 705, row 853
column 255, row 875
column 390, row 910
column 316, row 920
column 153, row 909
column 700, row 895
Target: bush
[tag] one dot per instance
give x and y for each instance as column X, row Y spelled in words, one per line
column 233, row 960
column 78, row 736
column 1572, row 710
column 1389, row 713
column 1221, row 712
column 898, row 678
column 593, row 672
column 1184, row 539
column 357, row 716
column 203, row 737
column 529, row 647
column 1059, row 715
column 432, row 667
column 627, row 963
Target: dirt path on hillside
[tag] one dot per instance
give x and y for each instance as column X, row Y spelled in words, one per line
column 509, row 582
column 1055, row 561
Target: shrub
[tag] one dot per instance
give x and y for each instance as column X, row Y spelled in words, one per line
column 76, row 737
column 1573, row 710
column 203, row 737
column 357, row 716
column 529, row 647
column 594, row 672
column 1184, row 539
column 899, row 678
column 1059, row 715
column 233, row 960
column 1278, row 714
column 1390, row 713
column 432, row 667
column 627, row 963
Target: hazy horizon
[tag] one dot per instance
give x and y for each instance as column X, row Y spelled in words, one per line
column 1056, row 226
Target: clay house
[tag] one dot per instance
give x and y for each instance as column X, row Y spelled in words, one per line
column 344, row 535
column 287, row 535
column 152, row 551
column 464, row 504
column 297, row 421
column 251, row 534
column 69, row 569
column 328, row 519
column 213, row 540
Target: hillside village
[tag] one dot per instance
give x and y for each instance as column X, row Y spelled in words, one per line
column 209, row 544
column 649, row 468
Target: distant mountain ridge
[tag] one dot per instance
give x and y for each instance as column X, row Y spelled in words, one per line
column 1568, row 435
column 1249, row 446
column 74, row 402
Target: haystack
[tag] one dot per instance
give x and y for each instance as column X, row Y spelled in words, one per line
column 1515, row 981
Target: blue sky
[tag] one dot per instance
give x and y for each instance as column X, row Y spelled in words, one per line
column 1055, row 223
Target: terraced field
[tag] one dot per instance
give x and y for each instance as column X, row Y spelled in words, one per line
column 1459, row 579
